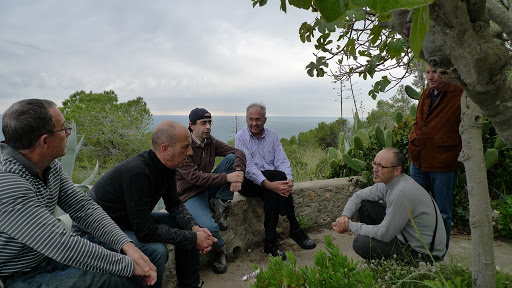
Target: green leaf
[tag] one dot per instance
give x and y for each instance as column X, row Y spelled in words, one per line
column 500, row 143
column 356, row 15
column 379, row 134
column 375, row 33
column 331, row 9
column 419, row 28
column 395, row 48
column 364, row 137
column 491, row 157
column 388, row 136
column 399, row 116
column 379, row 86
column 306, row 31
column 324, row 27
column 412, row 93
column 358, row 143
column 381, row 6
column 412, row 111
column 486, row 125
column 322, row 42
column 361, row 3
column 350, row 47
column 258, row 2
column 317, row 67
column 283, row 5
column 332, row 153
column 302, row 4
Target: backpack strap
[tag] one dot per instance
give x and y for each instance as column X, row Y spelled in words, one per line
column 433, row 242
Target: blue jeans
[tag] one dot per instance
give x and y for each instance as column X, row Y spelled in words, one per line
column 52, row 274
column 442, row 185
column 198, row 205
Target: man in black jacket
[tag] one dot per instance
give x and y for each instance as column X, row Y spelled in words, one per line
column 130, row 191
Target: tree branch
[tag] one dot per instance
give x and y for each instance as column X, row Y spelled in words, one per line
column 500, row 16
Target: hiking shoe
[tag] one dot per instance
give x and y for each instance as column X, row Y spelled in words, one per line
column 275, row 251
column 302, row 239
column 220, row 264
column 220, row 211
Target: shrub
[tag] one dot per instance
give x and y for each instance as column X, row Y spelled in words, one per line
column 330, row 270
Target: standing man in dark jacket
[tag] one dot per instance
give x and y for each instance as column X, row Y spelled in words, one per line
column 435, row 143
column 130, row 191
column 199, row 187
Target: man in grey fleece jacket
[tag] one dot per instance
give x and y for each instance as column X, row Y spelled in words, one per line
column 386, row 231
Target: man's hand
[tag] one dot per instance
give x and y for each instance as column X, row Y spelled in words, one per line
column 283, row 188
column 204, row 239
column 143, row 266
column 235, row 177
column 148, row 278
column 234, row 187
column 341, row 224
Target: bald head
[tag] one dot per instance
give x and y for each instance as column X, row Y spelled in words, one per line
column 165, row 132
column 171, row 143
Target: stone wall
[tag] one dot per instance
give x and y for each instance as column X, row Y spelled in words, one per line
column 316, row 202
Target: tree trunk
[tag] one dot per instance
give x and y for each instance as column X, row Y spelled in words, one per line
column 483, row 267
column 459, row 42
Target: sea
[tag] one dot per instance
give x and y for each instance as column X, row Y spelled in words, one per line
column 225, row 128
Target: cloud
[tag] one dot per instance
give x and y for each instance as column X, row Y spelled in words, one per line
column 221, row 55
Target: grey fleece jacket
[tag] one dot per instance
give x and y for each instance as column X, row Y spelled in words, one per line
column 404, row 198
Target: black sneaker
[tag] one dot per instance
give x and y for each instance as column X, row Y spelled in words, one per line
column 220, row 265
column 221, row 211
column 275, row 251
column 302, row 239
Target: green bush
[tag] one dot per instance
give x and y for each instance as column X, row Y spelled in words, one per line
column 505, row 217
column 331, row 269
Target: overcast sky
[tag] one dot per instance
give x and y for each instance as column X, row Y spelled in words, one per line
column 177, row 55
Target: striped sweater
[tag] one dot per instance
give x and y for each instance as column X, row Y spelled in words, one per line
column 29, row 231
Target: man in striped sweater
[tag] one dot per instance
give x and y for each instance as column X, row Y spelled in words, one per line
column 35, row 249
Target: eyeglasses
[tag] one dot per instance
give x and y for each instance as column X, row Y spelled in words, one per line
column 380, row 167
column 67, row 128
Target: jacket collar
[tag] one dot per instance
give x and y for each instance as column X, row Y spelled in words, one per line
column 14, row 154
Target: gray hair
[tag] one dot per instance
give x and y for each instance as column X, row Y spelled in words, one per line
column 260, row 105
column 26, row 121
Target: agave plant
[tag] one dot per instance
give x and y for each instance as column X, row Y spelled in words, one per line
column 68, row 163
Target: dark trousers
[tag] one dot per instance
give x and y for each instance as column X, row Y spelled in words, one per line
column 187, row 259
column 273, row 204
column 372, row 213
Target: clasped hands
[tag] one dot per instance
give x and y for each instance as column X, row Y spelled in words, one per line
column 283, row 188
column 204, row 239
column 341, row 224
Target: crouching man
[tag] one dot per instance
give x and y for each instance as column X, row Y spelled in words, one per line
column 385, row 231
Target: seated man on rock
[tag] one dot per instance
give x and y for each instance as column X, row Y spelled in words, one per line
column 386, row 231
column 198, row 185
column 269, row 176
column 36, row 250
column 130, row 191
